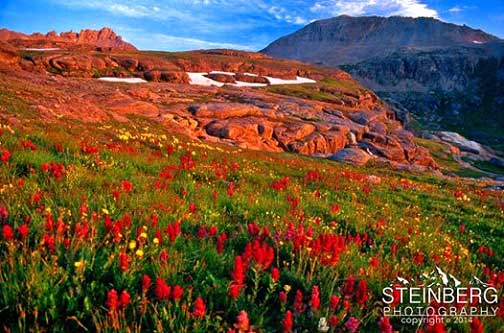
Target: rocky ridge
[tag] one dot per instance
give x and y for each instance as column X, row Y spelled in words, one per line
column 104, row 38
column 335, row 117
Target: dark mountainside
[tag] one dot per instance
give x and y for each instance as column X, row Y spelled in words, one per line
column 447, row 76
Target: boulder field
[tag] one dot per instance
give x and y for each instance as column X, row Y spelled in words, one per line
column 333, row 118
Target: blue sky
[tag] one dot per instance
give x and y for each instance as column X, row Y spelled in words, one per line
column 241, row 24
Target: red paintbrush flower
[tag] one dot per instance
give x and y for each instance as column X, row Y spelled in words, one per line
column 177, row 293
column 123, row 262
column 146, row 283
column 199, row 309
column 242, row 322
column 288, row 322
column 275, row 274
column 334, row 302
column 298, row 301
column 162, row 290
column 23, row 231
column 362, row 292
column 315, row 298
column 125, row 299
column 7, row 232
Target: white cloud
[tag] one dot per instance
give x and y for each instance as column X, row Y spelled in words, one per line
column 176, row 43
column 455, row 9
column 282, row 14
column 411, row 8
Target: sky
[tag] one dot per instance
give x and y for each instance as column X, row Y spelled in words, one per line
column 174, row 25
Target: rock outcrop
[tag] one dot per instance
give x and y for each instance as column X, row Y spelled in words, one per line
column 445, row 75
column 104, row 38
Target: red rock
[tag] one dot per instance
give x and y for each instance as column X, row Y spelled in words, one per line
column 224, row 110
column 288, row 133
column 219, row 77
column 250, row 78
column 351, row 155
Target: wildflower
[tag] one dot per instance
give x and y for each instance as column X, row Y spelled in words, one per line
column 177, row 293
column 132, row 245
column 242, row 322
column 349, row 286
column 419, row 258
column 438, row 327
column 126, row 186
column 146, row 282
column 139, row 253
column 384, row 325
column 199, row 309
column 477, row 326
column 322, row 325
column 282, row 296
column 78, row 264
column 362, row 292
column 373, row 262
column 335, row 208
column 275, row 274
column 163, row 256
column 234, row 290
column 333, row 320
column 315, row 299
column 162, row 290
column 7, row 232
column 112, row 301
column 123, row 262
column 288, row 322
column 155, row 241
column 352, row 324
column 334, row 302
column 238, row 274
column 3, row 213
column 220, row 242
column 192, row 207
column 298, row 301
column 231, row 189
column 125, row 298
column 5, row 156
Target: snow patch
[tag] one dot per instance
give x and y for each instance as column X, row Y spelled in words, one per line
column 201, row 80
column 477, row 42
column 225, row 73
column 299, row 80
column 38, row 49
column 122, row 79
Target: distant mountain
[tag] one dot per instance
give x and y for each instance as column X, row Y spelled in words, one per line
column 104, row 38
column 446, row 75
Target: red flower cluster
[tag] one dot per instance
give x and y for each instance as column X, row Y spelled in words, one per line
column 114, row 302
column 57, row 170
column 87, row 149
column 27, row 144
column 261, row 253
column 280, row 185
column 162, row 290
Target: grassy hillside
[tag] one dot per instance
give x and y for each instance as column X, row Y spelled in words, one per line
column 124, row 227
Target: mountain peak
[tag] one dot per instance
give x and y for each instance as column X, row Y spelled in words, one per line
column 354, row 38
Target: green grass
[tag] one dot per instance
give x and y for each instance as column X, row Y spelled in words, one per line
column 65, row 288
